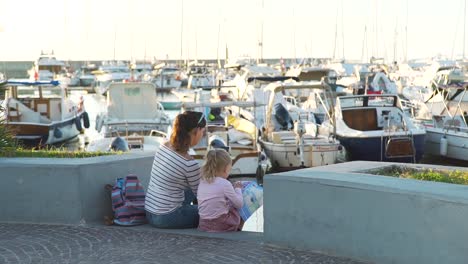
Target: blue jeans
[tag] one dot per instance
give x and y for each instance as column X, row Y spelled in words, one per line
column 185, row 216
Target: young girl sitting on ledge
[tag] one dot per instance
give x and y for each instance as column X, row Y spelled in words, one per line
column 218, row 200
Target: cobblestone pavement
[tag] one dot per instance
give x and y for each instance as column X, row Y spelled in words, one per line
column 47, row 244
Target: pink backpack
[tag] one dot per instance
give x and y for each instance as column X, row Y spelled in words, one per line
column 128, row 201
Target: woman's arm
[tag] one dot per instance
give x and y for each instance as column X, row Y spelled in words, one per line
column 193, row 177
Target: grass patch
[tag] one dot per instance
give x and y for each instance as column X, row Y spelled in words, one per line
column 51, row 153
column 447, row 176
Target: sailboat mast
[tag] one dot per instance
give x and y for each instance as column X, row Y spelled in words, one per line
column 406, row 33
column 364, row 46
column 181, row 30
column 217, row 48
column 395, row 41
column 464, row 31
column 65, row 26
column 376, row 30
column 260, row 43
column 342, row 29
column 115, row 39
column 336, row 35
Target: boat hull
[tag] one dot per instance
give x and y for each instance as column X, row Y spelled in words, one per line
column 285, row 157
column 375, row 149
column 245, row 161
column 457, row 143
column 37, row 134
column 171, row 105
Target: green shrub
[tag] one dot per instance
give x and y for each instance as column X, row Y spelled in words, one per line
column 28, row 153
column 447, row 176
column 7, row 140
column 10, row 148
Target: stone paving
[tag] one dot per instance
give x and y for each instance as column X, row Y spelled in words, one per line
column 44, row 244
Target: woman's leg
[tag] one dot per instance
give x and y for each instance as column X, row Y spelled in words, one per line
column 183, row 217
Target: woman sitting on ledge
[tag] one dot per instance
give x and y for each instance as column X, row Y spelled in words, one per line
column 175, row 176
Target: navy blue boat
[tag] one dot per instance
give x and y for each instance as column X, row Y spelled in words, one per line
column 375, row 128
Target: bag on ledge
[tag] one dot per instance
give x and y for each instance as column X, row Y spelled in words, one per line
column 128, row 201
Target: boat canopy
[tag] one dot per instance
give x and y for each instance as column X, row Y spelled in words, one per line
column 132, row 101
column 271, row 78
column 32, row 83
column 455, row 85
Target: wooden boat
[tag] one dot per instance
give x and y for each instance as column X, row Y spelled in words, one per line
column 40, row 112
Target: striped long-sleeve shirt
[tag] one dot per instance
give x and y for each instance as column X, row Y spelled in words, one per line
column 171, row 175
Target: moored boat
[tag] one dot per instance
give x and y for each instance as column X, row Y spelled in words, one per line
column 41, row 113
column 375, row 128
column 134, row 115
column 295, row 142
column 237, row 136
column 447, row 128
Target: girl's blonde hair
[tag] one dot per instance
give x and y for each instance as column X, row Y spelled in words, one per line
column 215, row 160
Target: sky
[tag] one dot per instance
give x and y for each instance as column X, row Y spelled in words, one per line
column 205, row 29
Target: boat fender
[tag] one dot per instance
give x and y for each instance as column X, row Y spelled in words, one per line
column 57, row 133
column 78, row 123
column 99, row 123
column 119, row 144
column 216, row 141
column 259, row 174
column 443, row 146
column 85, row 117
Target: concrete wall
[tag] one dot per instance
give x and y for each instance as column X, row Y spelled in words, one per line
column 374, row 218
column 69, row 191
column 328, row 209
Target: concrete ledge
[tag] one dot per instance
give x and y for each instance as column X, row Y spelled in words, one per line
column 71, row 191
column 240, row 236
column 381, row 219
column 66, row 191
column 338, row 209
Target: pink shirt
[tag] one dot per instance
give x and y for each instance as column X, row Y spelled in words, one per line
column 215, row 198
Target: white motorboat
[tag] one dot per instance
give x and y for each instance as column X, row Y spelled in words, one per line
column 134, row 115
column 447, row 130
column 41, row 113
column 238, row 136
column 293, row 141
column 109, row 73
column 49, row 68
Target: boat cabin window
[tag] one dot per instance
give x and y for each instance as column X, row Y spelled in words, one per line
column 365, row 101
column 363, row 119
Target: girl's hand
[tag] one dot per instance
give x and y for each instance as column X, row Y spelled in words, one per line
column 238, row 184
